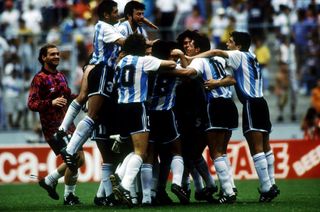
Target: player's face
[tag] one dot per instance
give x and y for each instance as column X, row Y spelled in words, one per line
column 52, row 58
column 114, row 16
column 138, row 16
column 188, row 46
column 231, row 45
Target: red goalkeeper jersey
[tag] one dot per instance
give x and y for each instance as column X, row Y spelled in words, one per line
column 45, row 87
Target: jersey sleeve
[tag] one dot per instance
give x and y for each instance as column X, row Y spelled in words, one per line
column 35, row 101
column 111, row 34
column 234, row 59
column 197, row 64
column 151, row 63
column 122, row 28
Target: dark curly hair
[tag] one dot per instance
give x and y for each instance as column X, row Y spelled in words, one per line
column 162, row 49
column 132, row 5
column 186, row 34
column 135, row 44
column 105, row 6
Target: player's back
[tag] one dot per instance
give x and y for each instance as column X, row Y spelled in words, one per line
column 247, row 74
column 132, row 77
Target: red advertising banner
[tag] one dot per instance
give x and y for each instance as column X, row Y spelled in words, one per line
column 293, row 159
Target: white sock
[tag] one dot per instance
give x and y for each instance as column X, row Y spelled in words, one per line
column 73, row 110
column 223, row 175
column 197, row 180
column 229, row 169
column 52, row 178
column 261, row 165
column 133, row 193
column 81, row 134
column 121, row 170
column 69, row 189
column 100, row 192
column 202, row 167
column 270, row 161
column 107, row 170
column 132, row 170
column 177, row 167
column 155, row 177
column 146, row 181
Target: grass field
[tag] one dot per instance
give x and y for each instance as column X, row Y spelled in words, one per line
column 296, row 195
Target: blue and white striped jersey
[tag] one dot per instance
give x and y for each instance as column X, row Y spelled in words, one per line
column 247, row 74
column 106, row 50
column 212, row 68
column 132, row 77
column 163, row 93
column 126, row 30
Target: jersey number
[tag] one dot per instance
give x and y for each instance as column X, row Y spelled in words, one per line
column 218, row 67
column 255, row 68
column 127, row 76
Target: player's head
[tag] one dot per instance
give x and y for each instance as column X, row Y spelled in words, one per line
column 239, row 41
column 186, row 42
column 135, row 44
column 201, row 42
column 49, row 55
column 162, row 49
column 134, row 12
column 107, row 11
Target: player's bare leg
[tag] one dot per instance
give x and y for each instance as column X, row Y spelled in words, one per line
column 49, row 183
column 70, row 179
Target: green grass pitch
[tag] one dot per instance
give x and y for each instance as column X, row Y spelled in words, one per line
column 296, row 195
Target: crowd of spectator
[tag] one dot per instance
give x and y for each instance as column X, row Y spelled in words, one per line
column 27, row 24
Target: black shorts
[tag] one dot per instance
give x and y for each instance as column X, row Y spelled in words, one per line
column 100, row 81
column 108, row 121
column 133, row 118
column 190, row 106
column 222, row 114
column 163, row 126
column 256, row 116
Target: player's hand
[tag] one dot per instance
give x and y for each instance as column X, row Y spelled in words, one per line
column 60, row 102
column 176, row 52
column 211, row 84
column 151, row 42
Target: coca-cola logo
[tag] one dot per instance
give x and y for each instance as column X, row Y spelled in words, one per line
column 293, row 159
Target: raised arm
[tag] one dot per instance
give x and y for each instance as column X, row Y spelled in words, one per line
column 177, row 53
column 212, row 53
column 169, row 64
column 145, row 20
column 149, row 23
column 184, row 72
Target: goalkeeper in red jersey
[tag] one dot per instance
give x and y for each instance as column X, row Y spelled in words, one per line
column 50, row 95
